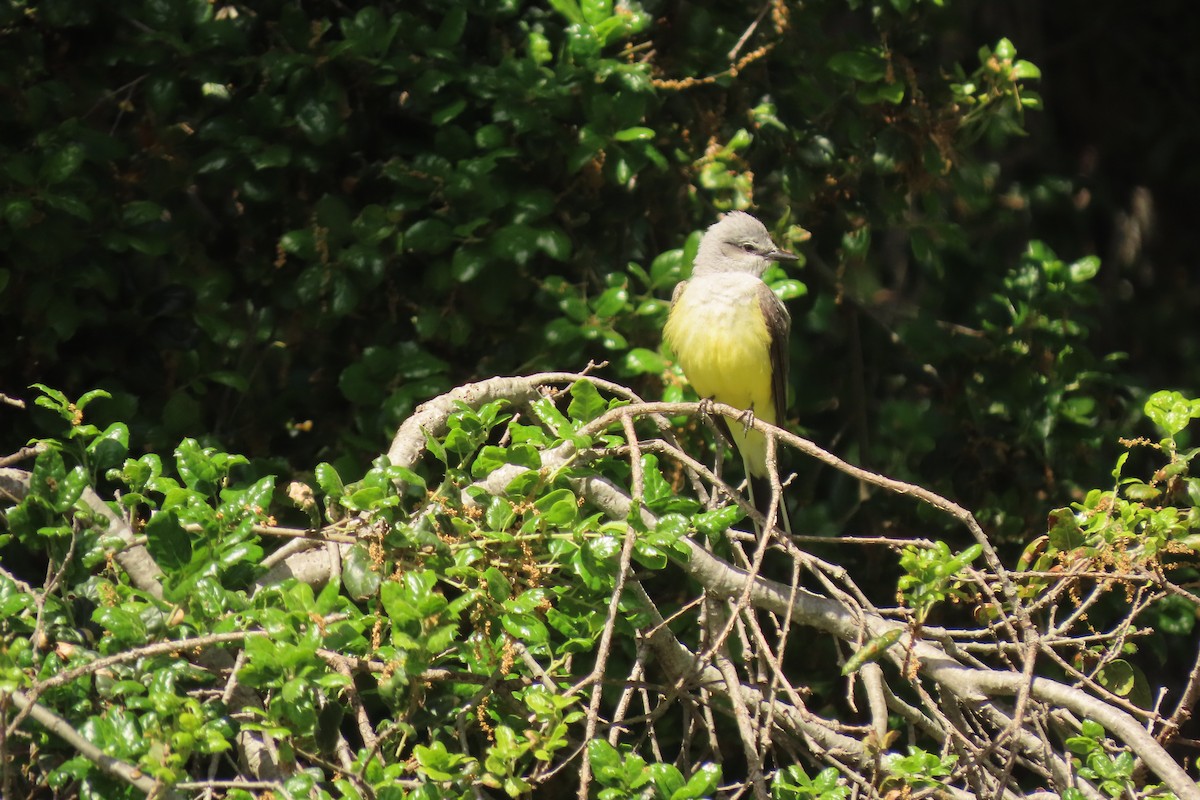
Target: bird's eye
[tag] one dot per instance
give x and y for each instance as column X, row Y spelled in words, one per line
column 748, row 247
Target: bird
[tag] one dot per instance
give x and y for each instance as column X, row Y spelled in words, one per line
column 729, row 332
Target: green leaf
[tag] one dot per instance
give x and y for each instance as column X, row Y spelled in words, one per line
column 1175, row 615
column 499, row 515
column 167, row 541
column 140, row 212
column 1064, row 531
column 554, row 243
column 73, row 486
column 299, row 242
column 641, row 361
column 62, row 164
column 398, row 602
column 1026, row 70
column 964, row 558
column 196, row 468
column 436, row 763
column 596, row 12
column 702, row 784
column 610, row 302
column 329, row 480
column 434, row 447
column 1171, row 411
column 1116, row 676
column 491, row 458
column 655, row 485
column 862, row 65
column 525, row 627
column 430, row 235
column 359, row 573
column 516, row 243
column 448, row 112
column 272, row 156
column 1084, row 269
column 872, row 650
column 318, row 120
column 634, row 135
column 668, row 531
column 468, row 262
column 881, row 92
column 1080, row 745
column 603, row 756
column 49, row 473
column 789, row 289
column 1005, row 50
column 569, row 9
column 586, row 402
column 18, row 211
column 718, row 520
column 452, row 27
column 558, row 509
column 667, row 779
column 648, row 555
column 1141, row 492
column 544, row 409
column 125, row 625
column 110, row 448
column 51, row 398
column 88, row 397
column 591, row 143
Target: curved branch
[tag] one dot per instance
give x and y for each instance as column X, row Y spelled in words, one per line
column 409, row 442
column 966, row 684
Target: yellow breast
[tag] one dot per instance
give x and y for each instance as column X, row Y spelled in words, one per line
column 717, row 332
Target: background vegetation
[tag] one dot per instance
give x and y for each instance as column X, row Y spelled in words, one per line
column 275, row 230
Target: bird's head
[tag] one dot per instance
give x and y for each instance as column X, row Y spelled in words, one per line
column 737, row 243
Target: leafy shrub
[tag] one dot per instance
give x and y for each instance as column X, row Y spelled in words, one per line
column 509, row 612
column 278, row 230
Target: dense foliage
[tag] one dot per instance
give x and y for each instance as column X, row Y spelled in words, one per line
column 299, row 222
column 277, row 229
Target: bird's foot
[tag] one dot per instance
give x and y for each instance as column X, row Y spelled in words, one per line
column 706, row 406
column 747, row 419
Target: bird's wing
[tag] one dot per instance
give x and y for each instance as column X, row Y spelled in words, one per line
column 779, row 324
column 678, row 293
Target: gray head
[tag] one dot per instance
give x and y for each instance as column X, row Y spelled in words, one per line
column 737, row 243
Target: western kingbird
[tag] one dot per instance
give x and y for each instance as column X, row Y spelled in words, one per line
column 729, row 332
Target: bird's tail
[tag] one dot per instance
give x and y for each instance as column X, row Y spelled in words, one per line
column 753, row 447
column 760, row 498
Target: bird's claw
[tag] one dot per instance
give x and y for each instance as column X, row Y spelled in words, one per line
column 747, row 420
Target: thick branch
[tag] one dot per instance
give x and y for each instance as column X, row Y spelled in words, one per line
column 966, row 684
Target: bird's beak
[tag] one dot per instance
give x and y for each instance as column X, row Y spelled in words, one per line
column 782, row 255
